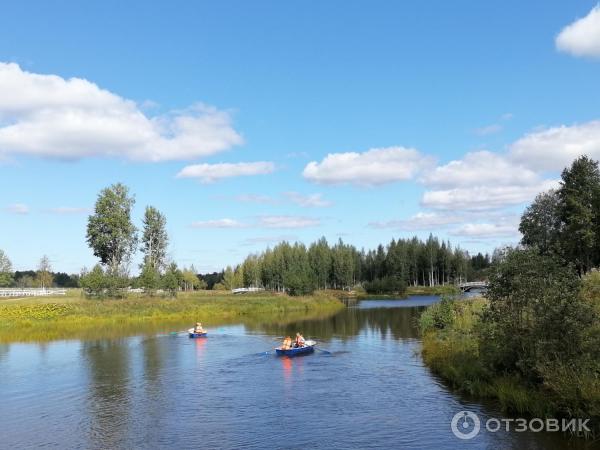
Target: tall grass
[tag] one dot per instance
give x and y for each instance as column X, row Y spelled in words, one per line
column 29, row 321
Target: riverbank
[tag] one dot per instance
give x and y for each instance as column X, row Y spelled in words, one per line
column 442, row 289
column 43, row 319
column 451, row 349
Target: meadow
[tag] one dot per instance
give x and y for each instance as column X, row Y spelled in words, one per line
column 74, row 316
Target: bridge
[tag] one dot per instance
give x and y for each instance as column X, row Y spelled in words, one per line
column 465, row 287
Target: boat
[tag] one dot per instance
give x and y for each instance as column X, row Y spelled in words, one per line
column 309, row 347
column 192, row 334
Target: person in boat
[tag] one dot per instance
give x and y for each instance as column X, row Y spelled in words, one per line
column 198, row 328
column 287, row 343
column 300, row 342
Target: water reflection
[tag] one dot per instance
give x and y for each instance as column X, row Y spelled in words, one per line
column 109, row 401
column 397, row 320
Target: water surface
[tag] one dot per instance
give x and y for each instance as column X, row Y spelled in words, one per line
column 365, row 388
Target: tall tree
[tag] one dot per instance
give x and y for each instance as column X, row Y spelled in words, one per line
column 580, row 213
column 541, row 223
column 110, row 231
column 6, row 270
column 154, row 238
column 44, row 273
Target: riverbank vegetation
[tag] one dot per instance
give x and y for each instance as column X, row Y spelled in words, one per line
column 74, row 317
column 534, row 343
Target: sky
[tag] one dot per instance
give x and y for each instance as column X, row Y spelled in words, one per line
column 251, row 122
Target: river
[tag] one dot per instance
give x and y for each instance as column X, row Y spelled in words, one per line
column 366, row 387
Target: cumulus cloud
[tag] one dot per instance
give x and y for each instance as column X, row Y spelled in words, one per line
column 555, row 148
column 480, row 168
column 481, row 198
column 218, row 223
column 307, row 201
column 420, row 221
column 482, row 181
column 288, row 222
column 18, row 208
column 53, row 117
column 582, row 37
column 373, row 167
column 486, row 230
column 209, row 173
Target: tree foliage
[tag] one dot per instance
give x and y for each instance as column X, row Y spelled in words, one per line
column 566, row 222
column 154, row 238
column 535, row 313
column 44, row 276
column 6, row 271
column 110, row 231
column 295, row 269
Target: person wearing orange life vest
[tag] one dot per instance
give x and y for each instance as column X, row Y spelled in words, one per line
column 287, row 343
column 300, row 342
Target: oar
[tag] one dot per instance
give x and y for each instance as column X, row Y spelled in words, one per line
column 321, row 350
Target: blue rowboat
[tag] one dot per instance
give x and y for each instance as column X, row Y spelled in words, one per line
column 295, row 351
column 196, row 335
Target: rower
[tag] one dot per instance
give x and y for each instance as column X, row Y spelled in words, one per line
column 300, row 342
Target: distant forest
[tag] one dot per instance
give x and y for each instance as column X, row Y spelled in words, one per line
column 298, row 269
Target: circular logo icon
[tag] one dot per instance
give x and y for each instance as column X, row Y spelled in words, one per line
column 465, row 425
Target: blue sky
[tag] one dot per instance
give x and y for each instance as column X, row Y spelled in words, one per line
column 443, row 117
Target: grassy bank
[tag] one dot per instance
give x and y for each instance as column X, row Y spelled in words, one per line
column 446, row 289
column 451, row 349
column 73, row 317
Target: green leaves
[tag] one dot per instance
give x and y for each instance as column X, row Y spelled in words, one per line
column 110, row 231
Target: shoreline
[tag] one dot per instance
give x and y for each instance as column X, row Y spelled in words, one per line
column 70, row 318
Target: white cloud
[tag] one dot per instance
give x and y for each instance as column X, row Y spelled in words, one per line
column 18, row 208
column 64, row 210
column 209, row 173
column 287, row 222
column 218, row 223
column 373, row 167
column 486, row 230
column 482, row 181
column 481, row 198
column 555, row 148
column 582, row 37
column 420, row 221
column 307, row 201
column 53, row 117
column 480, row 168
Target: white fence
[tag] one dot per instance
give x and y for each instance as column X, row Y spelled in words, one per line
column 30, row 292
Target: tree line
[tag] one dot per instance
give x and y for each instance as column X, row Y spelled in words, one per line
column 298, row 269
column 288, row 267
